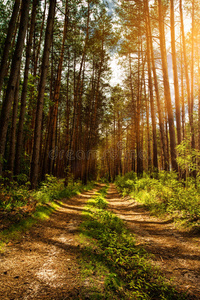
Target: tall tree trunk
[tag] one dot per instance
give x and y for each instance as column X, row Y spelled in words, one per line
column 7, row 44
column 37, row 51
column 77, row 92
column 77, row 85
column 167, row 135
column 192, row 83
column 160, row 114
column 34, row 70
column 138, row 113
column 153, row 116
column 175, row 72
column 149, row 161
column 13, row 130
column 24, row 90
column 167, row 88
column 185, row 60
column 133, row 116
column 44, row 69
column 182, row 96
column 199, row 104
column 15, row 67
column 51, row 142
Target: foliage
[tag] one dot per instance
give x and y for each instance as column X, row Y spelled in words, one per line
column 51, row 189
column 126, row 182
column 166, row 194
column 20, row 207
column 127, row 271
column 187, row 156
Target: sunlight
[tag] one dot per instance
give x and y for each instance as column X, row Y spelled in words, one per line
column 117, row 76
column 187, row 24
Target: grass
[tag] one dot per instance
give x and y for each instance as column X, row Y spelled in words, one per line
column 165, row 195
column 20, row 208
column 15, row 231
column 113, row 266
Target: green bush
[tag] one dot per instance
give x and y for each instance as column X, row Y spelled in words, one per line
column 166, row 194
column 51, row 189
column 126, row 182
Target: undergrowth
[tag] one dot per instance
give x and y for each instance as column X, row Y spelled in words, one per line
column 110, row 256
column 164, row 194
column 20, row 207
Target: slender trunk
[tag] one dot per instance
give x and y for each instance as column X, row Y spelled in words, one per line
column 167, row 135
column 119, row 119
column 138, row 110
column 54, row 116
column 77, row 90
column 133, row 118
column 153, row 116
column 7, row 44
column 40, row 40
column 77, row 86
column 34, row 70
column 185, row 60
column 13, row 130
column 175, row 73
column 149, row 162
column 199, row 105
column 15, row 67
column 192, row 82
column 182, row 98
column 24, row 91
column 156, row 86
column 167, row 89
column 39, row 112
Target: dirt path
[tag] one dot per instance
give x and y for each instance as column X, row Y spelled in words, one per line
column 43, row 265
column 175, row 252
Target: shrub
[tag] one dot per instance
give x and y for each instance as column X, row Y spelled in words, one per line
column 166, row 194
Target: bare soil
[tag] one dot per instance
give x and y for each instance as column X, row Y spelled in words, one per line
column 176, row 252
column 44, row 263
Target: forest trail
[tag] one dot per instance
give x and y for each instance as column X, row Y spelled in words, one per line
column 176, row 252
column 43, row 265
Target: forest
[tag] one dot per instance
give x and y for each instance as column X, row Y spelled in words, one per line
column 106, row 94
column 61, row 116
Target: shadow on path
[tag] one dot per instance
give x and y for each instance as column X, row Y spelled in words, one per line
column 43, row 264
column 176, row 253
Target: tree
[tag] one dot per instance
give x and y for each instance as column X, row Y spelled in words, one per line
column 51, row 135
column 15, row 67
column 167, row 87
column 24, row 90
column 7, row 44
column 175, row 72
column 38, row 123
column 155, row 154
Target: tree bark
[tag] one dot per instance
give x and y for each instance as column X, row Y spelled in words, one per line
column 51, row 136
column 24, row 91
column 13, row 130
column 39, row 111
column 153, row 117
column 185, row 61
column 167, row 89
column 192, row 84
column 175, row 73
column 160, row 114
column 16, row 61
column 7, row 44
